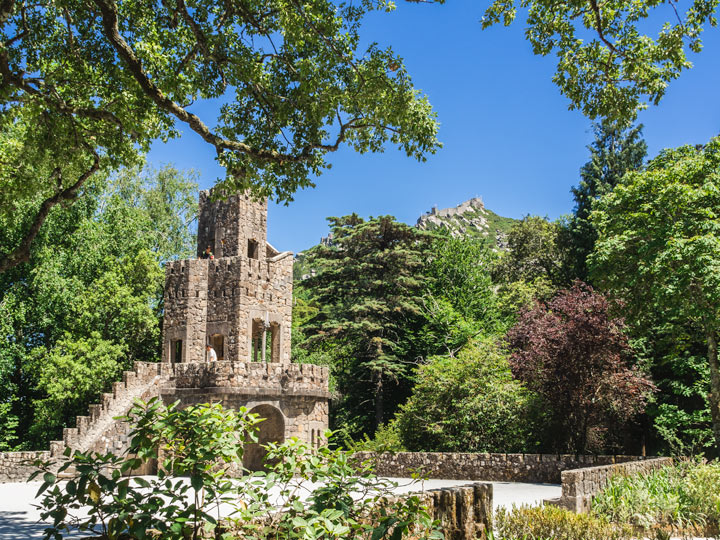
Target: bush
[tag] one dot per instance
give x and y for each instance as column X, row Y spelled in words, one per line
column 467, row 403
column 685, row 497
column 551, row 522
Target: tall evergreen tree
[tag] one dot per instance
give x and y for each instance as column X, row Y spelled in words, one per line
column 616, row 150
column 368, row 285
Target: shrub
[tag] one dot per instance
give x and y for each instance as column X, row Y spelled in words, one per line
column 551, row 522
column 685, row 497
column 303, row 493
column 467, row 403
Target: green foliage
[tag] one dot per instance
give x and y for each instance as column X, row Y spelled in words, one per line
column 607, row 66
column 70, row 375
column 659, row 250
column 459, row 302
column 467, row 403
column 684, row 497
column 368, row 287
column 616, row 150
column 551, row 522
column 535, row 250
column 192, row 494
column 89, row 302
column 86, row 88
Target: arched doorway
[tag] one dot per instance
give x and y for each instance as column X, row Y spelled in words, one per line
column 272, row 429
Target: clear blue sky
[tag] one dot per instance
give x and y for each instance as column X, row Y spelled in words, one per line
column 507, row 133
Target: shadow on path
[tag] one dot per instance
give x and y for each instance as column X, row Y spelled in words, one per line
column 19, row 526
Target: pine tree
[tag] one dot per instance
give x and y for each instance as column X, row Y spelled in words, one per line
column 368, row 283
column 616, row 150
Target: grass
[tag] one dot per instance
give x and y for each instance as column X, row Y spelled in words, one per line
column 684, row 498
column 551, row 522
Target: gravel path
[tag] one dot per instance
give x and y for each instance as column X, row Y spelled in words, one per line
column 20, row 520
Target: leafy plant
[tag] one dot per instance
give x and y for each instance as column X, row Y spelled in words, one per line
column 303, row 493
column 467, row 403
column 684, row 497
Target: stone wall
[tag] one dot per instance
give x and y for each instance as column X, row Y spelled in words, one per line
column 464, row 512
column 579, row 486
column 540, row 468
column 227, row 225
column 16, row 466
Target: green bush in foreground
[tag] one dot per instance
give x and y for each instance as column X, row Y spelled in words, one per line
column 553, row 523
column 684, row 497
column 303, row 493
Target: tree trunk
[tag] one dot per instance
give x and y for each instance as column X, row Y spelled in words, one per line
column 714, row 385
column 379, row 405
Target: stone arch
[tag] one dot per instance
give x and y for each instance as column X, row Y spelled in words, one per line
column 272, row 429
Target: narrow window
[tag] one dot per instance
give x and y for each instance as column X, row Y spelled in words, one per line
column 274, row 342
column 217, row 341
column 253, row 249
column 176, row 351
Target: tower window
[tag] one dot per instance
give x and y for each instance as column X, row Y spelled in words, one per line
column 176, row 348
column 253, row 249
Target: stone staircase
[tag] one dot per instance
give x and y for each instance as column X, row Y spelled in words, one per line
column 99, row 431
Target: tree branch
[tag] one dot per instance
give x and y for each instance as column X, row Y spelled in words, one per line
column 109, row 14
column 21, row 253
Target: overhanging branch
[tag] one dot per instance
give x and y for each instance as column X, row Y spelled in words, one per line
column 21, row 253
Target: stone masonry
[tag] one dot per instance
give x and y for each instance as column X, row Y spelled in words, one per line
column 240, row 303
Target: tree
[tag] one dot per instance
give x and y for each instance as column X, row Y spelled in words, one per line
column 658, row 246
column 459, row 301
column 535, row 251
column 606, row 66
column 616, row 150
column 368, row 289
column 574, row 354
column 89, row 303
column 87, row 86
column 467, row 403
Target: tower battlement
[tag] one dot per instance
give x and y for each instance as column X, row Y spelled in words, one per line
column 239, row 302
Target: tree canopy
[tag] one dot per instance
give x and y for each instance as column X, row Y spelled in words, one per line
column 616, row 150
column 658, row 246
column 89, row 302
column 88, row 85
column 368, row 289
column 607, row 65
column 573, row 353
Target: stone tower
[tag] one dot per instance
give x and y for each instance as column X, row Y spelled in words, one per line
column 240, row 302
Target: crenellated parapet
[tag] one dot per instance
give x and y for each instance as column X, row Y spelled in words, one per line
column 252, row 378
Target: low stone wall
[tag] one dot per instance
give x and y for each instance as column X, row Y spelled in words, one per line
column 16, row 466
column 579, row 486
column 540, row 468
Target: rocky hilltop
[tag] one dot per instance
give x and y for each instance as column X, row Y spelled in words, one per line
column 469, row 218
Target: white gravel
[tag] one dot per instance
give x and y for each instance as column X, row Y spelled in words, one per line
column 20, row 520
